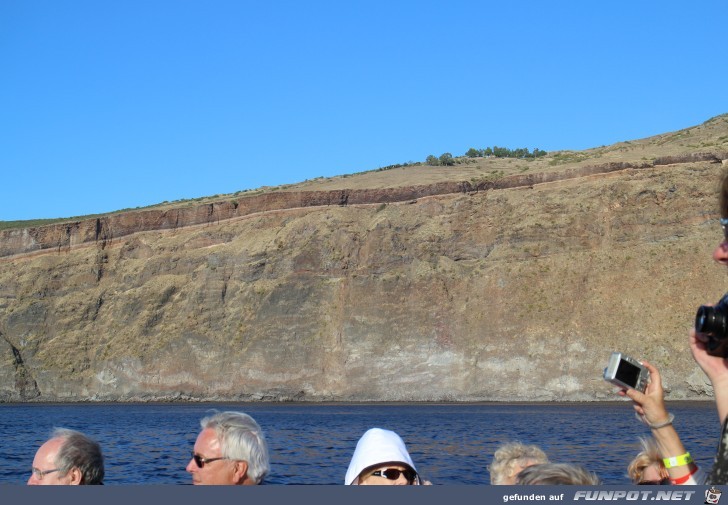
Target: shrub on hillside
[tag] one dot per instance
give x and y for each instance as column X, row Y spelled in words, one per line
column 446, row 159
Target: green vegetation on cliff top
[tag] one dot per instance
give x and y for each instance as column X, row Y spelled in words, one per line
column 474, row 165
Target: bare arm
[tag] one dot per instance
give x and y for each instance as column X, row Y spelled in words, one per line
column 650, row 405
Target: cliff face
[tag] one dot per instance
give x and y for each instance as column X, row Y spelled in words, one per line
column 513, row 290
column 511, row 294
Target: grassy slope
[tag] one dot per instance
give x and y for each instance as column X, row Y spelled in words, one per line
column 711, row 136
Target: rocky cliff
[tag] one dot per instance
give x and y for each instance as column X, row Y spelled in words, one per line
column 510, row 288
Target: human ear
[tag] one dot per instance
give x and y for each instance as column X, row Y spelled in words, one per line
column 75, row 476
column 240, row 471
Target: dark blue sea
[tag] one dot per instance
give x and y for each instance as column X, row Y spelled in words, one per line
column 312, row 444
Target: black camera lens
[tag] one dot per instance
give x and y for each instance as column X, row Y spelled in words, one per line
column 713, row 322
column 710, row 322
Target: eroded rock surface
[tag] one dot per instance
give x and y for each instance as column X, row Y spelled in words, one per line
column 507, row 288
column 499, row 294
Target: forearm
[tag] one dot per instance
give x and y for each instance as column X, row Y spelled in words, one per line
column 720, row 391
column 671, row 447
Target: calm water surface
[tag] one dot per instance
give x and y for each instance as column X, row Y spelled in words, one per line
column 312, row 444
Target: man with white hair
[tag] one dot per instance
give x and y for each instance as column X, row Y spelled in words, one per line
column 67, row 458
column 230, row 450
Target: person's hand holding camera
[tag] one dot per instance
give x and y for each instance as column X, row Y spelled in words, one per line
column 650, row 405
column 715, row 367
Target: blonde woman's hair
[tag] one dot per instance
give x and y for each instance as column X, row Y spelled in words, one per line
column 649, row 455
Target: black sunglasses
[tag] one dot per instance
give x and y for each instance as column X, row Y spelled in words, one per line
column 654, row 482
column 724, row 225
column 394, row 473
column 201, row 462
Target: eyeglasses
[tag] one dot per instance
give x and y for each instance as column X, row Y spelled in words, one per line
column 39, row 474
column 724, row 225
column 394, row 473
column 201, row 462
column 654, row 482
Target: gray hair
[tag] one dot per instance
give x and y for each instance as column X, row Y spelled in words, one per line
column 79, row 451
column 553, row 474
column 510, row 455
column 241, row 439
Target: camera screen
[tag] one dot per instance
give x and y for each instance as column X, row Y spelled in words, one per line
column 627, row 373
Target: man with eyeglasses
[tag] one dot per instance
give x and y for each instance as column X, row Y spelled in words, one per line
column 230, row 450
column 67, row 458
column 715, row 364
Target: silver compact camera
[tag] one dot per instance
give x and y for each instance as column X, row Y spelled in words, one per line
column 626, row 372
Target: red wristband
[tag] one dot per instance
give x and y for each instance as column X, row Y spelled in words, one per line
column 684, row 478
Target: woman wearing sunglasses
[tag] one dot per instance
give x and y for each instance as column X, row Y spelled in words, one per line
column 381, row 458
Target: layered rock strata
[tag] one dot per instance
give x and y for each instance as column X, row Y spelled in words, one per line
column 504, row 293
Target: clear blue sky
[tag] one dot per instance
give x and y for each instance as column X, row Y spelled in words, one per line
column 106, row 105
